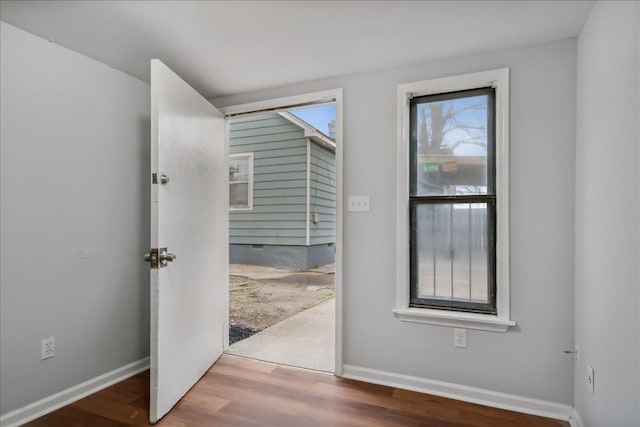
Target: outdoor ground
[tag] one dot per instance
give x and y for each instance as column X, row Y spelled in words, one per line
column 263, row 296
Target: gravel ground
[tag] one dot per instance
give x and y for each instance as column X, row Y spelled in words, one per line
column 239, row 332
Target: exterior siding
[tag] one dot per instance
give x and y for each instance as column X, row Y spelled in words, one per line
column 279, row 152
column 323, row 195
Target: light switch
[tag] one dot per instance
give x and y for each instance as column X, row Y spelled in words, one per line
column 358, row 204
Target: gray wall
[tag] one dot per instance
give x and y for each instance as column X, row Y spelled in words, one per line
column 279, row 209
column 74, row 218
column 607, row 216
column 322, row 195
column 86, row 226
column 527, row 361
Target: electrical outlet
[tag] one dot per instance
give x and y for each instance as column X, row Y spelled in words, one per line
column 358, row 204
column 590, row 379
column 460, row 338
column 48, row 348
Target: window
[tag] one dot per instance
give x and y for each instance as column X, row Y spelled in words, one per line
column 453, row 202
column 241, row 181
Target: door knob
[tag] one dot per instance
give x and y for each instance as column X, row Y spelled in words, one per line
column 164, row 179
column 151, row 257
column 167, row 257
column 159, row 257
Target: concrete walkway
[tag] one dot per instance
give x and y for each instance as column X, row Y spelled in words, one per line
column 258, row 272
column 306, row 340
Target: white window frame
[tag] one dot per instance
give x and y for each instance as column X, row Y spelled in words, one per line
column 500, row 322
column 249, row 157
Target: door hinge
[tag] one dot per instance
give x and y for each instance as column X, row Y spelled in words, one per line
column 159, row 257
column 164, row 179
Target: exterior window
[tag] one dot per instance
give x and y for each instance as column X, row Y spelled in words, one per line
column 241, row 181
column 453, row 202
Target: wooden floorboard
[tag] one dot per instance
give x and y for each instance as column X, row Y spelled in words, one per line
column 243, row 392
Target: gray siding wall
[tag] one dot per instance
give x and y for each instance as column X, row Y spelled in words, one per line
column 279, row 181
column 323, row 195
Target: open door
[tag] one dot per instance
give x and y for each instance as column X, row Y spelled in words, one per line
column 189, row 237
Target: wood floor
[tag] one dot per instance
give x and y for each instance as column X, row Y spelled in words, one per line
column 243, row 392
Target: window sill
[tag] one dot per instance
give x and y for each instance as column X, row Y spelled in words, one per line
column 484, row 322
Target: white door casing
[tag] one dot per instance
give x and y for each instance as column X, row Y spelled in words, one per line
column 286, row 103
column 189, row 216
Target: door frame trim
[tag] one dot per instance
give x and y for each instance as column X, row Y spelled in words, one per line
column 279, row 104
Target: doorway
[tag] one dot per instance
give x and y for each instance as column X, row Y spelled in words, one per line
column 285, row 187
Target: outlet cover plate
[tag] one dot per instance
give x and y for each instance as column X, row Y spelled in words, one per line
column 460, row 338
column 48, row 348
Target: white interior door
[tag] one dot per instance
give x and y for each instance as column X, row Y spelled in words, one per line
column 189, row 217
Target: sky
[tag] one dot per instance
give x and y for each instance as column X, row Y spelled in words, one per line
column 470, row 111
column 317, row 116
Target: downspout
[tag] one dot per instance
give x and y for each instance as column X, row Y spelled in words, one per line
column 308, row 218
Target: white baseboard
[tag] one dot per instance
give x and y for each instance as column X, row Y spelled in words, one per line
column 575, row 420
column 72, row 394
column 461, row 392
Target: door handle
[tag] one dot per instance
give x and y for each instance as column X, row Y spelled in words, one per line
column 159, row 257
column 151, row 257
column 167, row 257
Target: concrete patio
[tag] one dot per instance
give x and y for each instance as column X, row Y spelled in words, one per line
column 305, row 340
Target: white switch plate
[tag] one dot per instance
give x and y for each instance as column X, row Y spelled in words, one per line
column 358, row 204
column 590, row 379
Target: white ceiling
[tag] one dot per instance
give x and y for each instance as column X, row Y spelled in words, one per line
column 224, row 48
